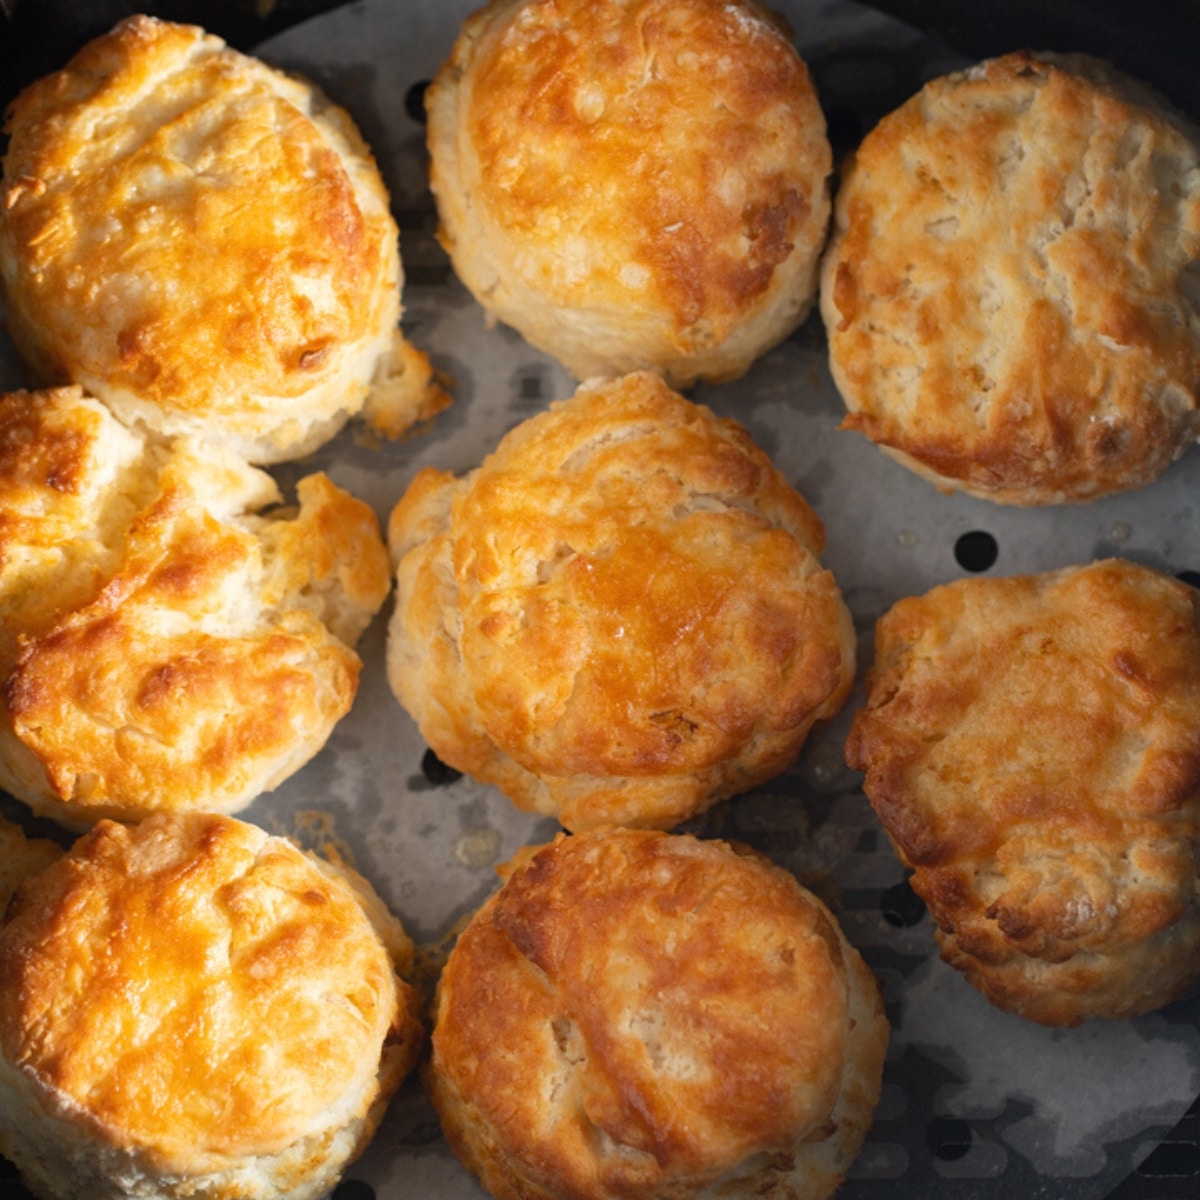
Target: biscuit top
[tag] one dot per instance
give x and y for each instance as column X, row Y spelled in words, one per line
column 1031, row 746
column 695, row 229
column 638, row 591
column 679, row 1008
column 166, row 639
column 1103, row 661
column 195, row 989
column 65, row 467
column 185, row 224
column 1011, row 291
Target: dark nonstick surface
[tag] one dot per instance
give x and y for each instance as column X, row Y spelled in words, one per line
column 1156, row 40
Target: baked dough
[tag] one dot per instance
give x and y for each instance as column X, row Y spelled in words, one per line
column 1032, row 746
column 646, row 1014
column 633, row 185
column 20, row 857
column 190, row 1008
column 1012, row 290
column 620, row 617
column 168, row 640
column 205, row 244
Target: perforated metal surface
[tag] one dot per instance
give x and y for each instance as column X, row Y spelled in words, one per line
column 975, row 1103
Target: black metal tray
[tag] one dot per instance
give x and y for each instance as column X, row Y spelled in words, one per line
column 951, row 1126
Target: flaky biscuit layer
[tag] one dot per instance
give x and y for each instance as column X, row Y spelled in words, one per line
column 640, row 1013
column 620, row 616
column 633, row 185
column 1012, row 289
column 170, row 638
column 191, row 1008
column 201, row 241
column 1032, row 746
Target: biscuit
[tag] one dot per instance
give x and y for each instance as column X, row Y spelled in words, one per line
column 204, row 243
column 619, row 617
column 645, row 1014
column 1012, row 288
column 168, row 639
column 1032, row 747
column 191, row 1008
column 633, row 185
column 20, row 857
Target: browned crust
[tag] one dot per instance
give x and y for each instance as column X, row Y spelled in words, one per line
column 163, row 643
column 1032, row 746
column 668, row 191
column 620, row 617
column 641, row 1013
column 182, row 225
column 1006, row 293
column 192, row 993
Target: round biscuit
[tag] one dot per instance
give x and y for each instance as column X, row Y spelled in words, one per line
column 1031, row 746
column 191, row 1008
column 642, row 1013
column 1012, row 289
column 202, row 242
column 171, row 637
column 620, row 617
column 635, row 185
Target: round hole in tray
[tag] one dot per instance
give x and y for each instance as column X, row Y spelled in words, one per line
column 436, row 771
column 1190, row 577
column 353, row 1189
column 975, row 550
column 414, row 101
column 948, row 1138
column 901, row 906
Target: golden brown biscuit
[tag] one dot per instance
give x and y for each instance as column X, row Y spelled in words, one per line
column 20, row 857
column 190, row 1008
column 1011, row 291
column 1032, row 746
column 647, row 1014
column 633, row 185
column 202, row 242
column 166, row 640
column 620, row 617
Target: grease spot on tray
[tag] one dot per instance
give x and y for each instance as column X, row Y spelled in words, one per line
column 477, row 848
column 315, row 830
